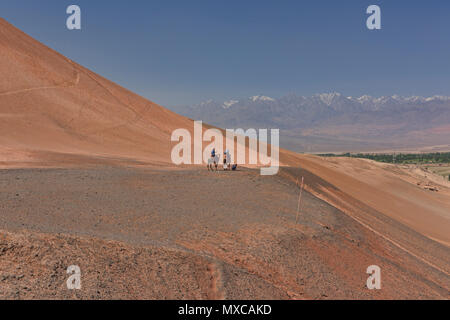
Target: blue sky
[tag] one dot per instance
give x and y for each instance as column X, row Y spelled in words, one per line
column 183, row 52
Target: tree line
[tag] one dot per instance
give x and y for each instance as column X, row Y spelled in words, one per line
column 400, row 158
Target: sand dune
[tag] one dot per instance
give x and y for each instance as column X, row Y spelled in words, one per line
column 387, row 189
column 55, row 113
column 49, row 103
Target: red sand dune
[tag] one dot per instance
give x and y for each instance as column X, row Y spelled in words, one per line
column 56, row 113
column 49, row 104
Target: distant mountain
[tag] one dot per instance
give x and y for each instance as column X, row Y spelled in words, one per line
column 334, row 122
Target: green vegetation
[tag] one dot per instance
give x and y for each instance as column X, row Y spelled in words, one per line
column 406, row 158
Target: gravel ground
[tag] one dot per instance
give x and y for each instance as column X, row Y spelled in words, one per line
column 192, row 234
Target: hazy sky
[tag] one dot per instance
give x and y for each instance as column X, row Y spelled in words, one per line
column 187, row 51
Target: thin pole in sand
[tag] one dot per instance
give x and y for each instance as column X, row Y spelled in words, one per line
column 299, row 199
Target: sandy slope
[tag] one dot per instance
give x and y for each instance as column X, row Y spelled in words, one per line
column 55, row 113
column 49, row 103
column 389, row 190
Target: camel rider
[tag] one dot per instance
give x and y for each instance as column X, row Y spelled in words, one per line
column 213, row 153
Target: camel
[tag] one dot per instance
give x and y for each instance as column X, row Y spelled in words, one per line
column 213, row 162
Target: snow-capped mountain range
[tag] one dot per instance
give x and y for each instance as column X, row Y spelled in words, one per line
column 334, row 117
column 330, row 99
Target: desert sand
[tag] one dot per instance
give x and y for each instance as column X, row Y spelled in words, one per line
column 86, row 179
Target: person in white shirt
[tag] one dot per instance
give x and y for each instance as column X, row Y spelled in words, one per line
column 226, row 160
